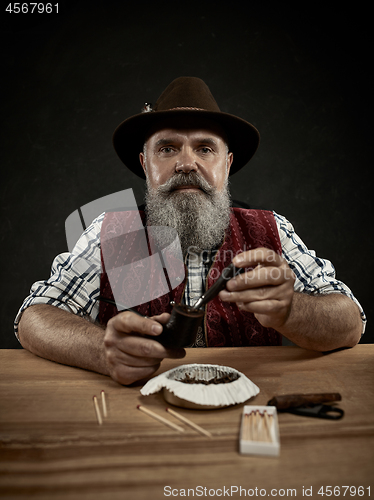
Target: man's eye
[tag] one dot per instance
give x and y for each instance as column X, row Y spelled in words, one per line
column 166, row 149
column 205, row 150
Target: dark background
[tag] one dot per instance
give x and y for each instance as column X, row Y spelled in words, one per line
column 301, row 75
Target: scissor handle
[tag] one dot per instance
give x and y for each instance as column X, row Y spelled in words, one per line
column 318, row 411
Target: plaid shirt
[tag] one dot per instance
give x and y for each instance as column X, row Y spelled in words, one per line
column 74, row 284
column 197, row 272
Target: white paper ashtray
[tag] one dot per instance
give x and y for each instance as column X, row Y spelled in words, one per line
column 202, row 386
column 259, row 432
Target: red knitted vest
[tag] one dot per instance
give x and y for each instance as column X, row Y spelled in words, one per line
column 224, row 324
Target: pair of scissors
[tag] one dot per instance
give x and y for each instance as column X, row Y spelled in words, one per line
column 318, row 411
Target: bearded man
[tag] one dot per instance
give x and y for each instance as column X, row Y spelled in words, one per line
column 186, row 149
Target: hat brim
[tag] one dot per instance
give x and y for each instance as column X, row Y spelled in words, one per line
column 130, row 135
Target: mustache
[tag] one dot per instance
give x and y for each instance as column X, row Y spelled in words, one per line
column 181, row 180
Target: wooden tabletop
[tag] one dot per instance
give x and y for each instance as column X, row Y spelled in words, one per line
column 51, row 446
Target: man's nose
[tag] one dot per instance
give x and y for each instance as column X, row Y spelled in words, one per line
column 186, row 163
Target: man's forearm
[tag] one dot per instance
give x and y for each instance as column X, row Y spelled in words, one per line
column 55, row 334
column 323, row 322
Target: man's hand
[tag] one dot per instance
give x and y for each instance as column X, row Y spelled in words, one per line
column 130, row 355
column 267, row 290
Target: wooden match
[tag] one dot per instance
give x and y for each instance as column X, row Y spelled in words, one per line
column 160, row 419
column 97, row 410
column 103, row 402
column 268, row 425
column 188, row 422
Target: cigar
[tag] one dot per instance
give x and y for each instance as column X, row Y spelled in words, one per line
column 294, row 400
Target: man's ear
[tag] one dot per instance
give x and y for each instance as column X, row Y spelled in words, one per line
column 230, row 158
column 142, row 162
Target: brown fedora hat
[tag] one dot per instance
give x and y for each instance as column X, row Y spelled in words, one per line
column 184, row 97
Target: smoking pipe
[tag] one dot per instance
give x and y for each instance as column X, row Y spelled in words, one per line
column 182, row 327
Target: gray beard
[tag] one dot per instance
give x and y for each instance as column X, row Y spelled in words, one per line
column 200, row 218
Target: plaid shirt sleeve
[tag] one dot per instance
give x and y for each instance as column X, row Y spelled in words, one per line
column 314, row 276
column 74, row 283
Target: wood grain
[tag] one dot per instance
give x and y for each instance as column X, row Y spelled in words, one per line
column 51, row 446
